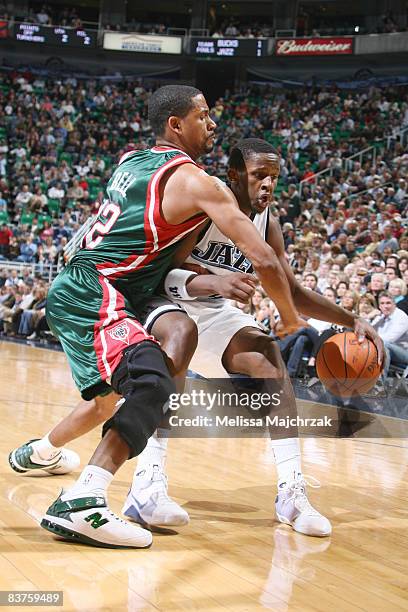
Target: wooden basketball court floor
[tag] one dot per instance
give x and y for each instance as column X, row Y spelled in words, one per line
column 233, row 555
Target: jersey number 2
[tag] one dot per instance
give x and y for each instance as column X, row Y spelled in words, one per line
column 110, row 212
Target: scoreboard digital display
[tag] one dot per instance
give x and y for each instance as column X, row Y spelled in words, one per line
column 228, row 47
column 54, row 35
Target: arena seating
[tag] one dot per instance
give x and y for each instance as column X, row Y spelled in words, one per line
column 342, row 197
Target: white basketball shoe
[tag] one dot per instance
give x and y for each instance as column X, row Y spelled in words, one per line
column 293, row 508
column 25, row 459
column 88, row 520
column 148, row 502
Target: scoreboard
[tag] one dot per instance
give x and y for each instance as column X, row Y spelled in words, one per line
column 228, row 47
column 54, row 35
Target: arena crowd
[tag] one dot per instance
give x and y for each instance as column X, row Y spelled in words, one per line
column 345, row 229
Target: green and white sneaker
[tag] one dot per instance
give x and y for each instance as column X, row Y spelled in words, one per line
column 24, row 459
column 88, row 520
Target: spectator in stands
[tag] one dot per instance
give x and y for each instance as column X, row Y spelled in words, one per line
column 28, row 249
column 31, row 316
column 5, row 235
column 3, row 164
column 292, row 348
column 392, row 326
column 390, row 274
column 377, row 284
column 310, row 281
column 367, row 307
column 402, row 192
column 38, row 201
column 42, row 17
column 402, row 265
column 75, row 192
column 56, row 192
column 12, row 279
column 23, row 197
column 349, row 301
column 388, row 241
column 397, row 288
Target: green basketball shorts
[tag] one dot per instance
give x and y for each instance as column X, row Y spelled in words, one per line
column 94, row 324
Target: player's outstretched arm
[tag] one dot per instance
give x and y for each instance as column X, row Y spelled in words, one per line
column 312, row 304
column 206, row 194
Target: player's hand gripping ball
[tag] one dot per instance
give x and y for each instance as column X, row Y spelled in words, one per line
column 347, row 367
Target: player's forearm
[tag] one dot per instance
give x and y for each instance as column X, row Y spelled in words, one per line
column 312, row 304
column 274, row 281
column 202, row 285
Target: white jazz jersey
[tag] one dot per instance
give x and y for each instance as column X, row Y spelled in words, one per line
column 217, row 320
column 219, row 255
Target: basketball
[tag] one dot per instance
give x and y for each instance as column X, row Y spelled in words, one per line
column 346, row 367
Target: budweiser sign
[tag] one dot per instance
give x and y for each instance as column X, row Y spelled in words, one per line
column 314, row 46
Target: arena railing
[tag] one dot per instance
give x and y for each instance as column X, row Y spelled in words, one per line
column 388, row 142
column 353, row 196
column 46, row 271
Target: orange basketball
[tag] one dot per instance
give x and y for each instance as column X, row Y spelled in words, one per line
column 347, row 367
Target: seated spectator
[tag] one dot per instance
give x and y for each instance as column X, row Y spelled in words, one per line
column 349, row 301
column 323, row 330
column 402, row 265
column 356, row 284
column 397, row 288
column 292, row 349
column 388, row 240
column 390, row 274
column 28, row 250
column 49, row 250
column 75, row 192
column 377, row 284
column 367, row 307
column 31, row 316
column 23, row 197
column 341, row 289
column 56, row 192
column 5, row 236
column 392, row 326
column 310, row 281
column 7, row 301
column 255, row 302
column 38, row 201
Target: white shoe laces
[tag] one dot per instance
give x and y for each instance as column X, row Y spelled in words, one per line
column 299, row 496
column 161, row 492
column 117, row 518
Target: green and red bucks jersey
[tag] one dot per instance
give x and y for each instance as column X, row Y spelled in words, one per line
column 130, row 243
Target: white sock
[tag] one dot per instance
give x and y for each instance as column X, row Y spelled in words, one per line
column 44, row 450
column 93, row 479
column 287, row 459
column 155, row 451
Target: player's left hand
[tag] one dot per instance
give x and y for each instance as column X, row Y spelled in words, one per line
column 362, row 329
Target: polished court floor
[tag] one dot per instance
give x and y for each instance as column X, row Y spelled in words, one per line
column 233, row 555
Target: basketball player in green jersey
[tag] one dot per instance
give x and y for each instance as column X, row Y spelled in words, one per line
column 234, row 339
column 155, row 198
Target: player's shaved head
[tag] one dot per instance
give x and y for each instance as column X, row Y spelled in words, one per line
column 168, row 101
column 246, row 148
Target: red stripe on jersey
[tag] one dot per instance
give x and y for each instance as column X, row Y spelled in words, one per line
column 165, row 232
column 163, row 148
column 103, row 313
column 115, row 330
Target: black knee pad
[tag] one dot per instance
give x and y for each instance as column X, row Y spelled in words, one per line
column 144, row 381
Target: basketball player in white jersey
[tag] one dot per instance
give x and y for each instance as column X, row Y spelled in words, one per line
column 230, row 341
